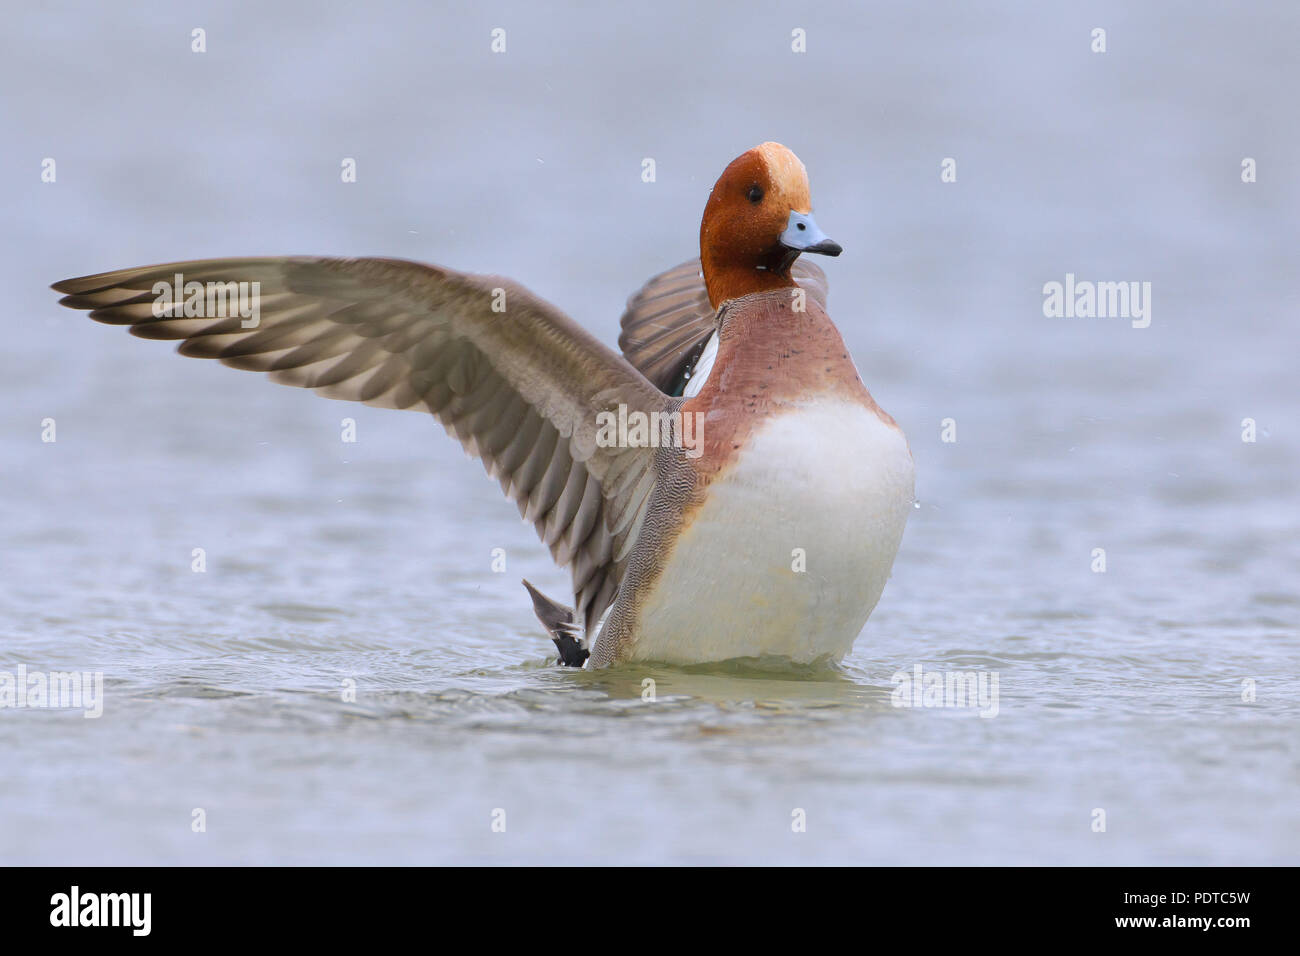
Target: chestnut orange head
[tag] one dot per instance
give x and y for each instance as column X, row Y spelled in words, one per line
column 757, row 221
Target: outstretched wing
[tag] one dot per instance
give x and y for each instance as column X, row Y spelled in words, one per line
column 669, row 320
column 516, row 381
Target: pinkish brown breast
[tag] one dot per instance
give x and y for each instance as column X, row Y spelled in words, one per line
column 770, row 358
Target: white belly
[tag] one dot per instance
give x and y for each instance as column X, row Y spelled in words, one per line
column 790, row 552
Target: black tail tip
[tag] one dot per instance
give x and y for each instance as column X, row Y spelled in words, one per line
column 561, row 623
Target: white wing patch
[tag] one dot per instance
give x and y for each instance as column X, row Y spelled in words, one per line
column 700, row 374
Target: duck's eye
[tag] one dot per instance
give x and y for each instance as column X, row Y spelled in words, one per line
column 755, row 194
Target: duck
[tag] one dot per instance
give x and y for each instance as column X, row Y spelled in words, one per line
column 723, row 487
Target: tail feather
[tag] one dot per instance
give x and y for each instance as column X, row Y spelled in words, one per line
column 562, row 624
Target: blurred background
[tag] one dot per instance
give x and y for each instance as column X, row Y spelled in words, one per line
column 371, row 562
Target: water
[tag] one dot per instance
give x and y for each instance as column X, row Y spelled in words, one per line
column 371, row 562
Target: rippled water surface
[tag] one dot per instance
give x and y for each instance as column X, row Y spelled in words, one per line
column 1127, row 691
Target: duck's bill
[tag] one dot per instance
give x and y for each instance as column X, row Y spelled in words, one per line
column 802, row 235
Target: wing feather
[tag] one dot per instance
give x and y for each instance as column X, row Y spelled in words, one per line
column 509, row 376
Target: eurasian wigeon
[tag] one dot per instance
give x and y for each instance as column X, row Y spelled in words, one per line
column 725, row 488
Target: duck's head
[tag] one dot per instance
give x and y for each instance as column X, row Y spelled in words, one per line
column 756, row 223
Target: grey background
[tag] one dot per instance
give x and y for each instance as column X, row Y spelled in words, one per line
column 370, row 561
